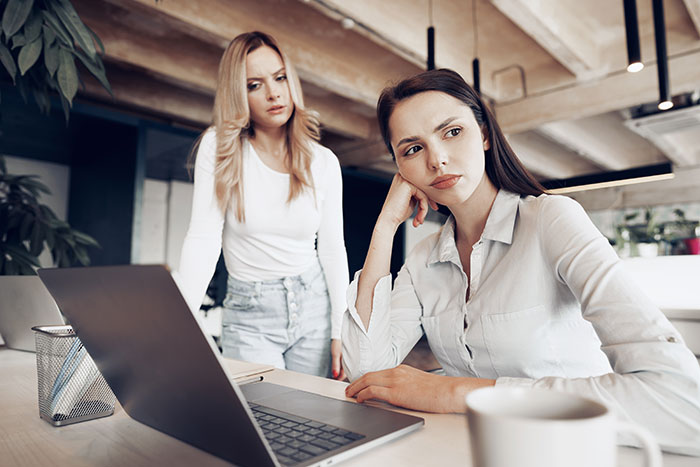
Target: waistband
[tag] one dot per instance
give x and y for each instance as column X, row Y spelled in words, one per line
column 306, row 278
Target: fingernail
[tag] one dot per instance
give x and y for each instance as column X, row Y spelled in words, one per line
column 335, row 373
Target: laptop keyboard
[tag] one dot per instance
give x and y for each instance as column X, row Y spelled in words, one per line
column 295, row 439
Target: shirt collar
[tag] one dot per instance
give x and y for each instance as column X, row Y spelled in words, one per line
column 499, row 227
column 501, row 221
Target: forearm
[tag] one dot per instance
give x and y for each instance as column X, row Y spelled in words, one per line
column 376, row 266
column 459, row 387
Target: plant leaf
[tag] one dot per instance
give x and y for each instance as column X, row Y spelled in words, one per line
column 67, row 75
column 96, row 68
column 49, row 35
column 29, row 55
column 36, row 240
column 18, row 40
column 8, row 62
column 85, row 239
column 32, row 28
column 70, row 19
column 51, row 58
column 19, row 252
column 97, row 39
column 16, row 13
column 55, row 25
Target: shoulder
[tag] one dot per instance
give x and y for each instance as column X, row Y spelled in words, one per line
column 550, row 208
column 206, row 147
column 322, row 155
column 324, row 163
column 547, row 208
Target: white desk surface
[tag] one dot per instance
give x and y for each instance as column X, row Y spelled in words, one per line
column 26, row 440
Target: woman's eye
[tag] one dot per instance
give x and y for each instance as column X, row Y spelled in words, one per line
column 281, row 78
column 253, row 86
column 412, row 150
column 451, row 133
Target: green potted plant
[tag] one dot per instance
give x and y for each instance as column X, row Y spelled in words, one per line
column 27, row 227
column 41, row 41
column 683, row 234
column 640, row 238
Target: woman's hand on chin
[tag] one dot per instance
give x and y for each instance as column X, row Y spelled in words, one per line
column 405, row 386
column 400, row 202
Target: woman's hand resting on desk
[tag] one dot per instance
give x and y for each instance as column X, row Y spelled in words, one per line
column 337, row 360
column 405, row 386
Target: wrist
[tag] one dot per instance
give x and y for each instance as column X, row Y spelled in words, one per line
column 463, row 386
column 386, row 225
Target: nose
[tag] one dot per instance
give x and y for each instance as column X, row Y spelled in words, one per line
column 273, row 91
column 437, row 158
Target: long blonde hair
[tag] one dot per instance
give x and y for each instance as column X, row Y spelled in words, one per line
column 232, row 123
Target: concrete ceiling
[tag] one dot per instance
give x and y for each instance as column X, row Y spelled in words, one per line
column 568, row 120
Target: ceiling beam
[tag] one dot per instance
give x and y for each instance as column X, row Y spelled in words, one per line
column 558, row 30
column 614, row 92
column 693, row 7
column 548, row 159
column 144, row 94
column 325, row 54
column 605, row 141
column 193, row 64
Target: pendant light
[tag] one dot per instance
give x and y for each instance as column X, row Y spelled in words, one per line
column 665, row 102
column 634, row 55
column 431, row 38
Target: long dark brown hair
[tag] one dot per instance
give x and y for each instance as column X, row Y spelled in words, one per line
column 503, row 167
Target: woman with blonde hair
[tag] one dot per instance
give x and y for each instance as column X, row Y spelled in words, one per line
column 271, row 196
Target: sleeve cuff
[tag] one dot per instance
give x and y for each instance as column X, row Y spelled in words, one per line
column 380, row 301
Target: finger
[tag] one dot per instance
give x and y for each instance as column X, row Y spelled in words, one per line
column 374, row 392
column 341, row 376
column 433, row 204
column 336, row 368
column 422, row 208
column 375, row 378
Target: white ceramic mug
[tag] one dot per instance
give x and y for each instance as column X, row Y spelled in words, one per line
column 530, row 427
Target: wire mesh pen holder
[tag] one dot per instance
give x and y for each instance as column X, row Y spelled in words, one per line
column 71, row 388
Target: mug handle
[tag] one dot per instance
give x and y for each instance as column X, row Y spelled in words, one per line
column 652, row 453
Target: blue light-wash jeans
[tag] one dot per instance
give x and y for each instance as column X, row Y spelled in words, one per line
column 284, row 322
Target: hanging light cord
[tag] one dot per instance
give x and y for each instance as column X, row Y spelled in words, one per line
column 476, row 35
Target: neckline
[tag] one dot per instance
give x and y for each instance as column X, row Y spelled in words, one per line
column 262, row 162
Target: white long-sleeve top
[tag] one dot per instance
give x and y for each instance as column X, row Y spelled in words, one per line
column 278, row 239
column 550, row 305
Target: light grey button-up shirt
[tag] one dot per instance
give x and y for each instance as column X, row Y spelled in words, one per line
column 550, row 306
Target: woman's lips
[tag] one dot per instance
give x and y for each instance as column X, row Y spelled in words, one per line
column 446, row 181
column 276, row 109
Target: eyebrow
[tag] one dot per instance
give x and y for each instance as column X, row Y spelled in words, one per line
column 253, row 78
column 413, row 139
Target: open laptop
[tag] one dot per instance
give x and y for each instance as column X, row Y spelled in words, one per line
column 24, row 303
column 169, row 375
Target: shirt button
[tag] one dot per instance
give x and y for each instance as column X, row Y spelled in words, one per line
column 292, row 306
column 290, row 294
column 294, row 316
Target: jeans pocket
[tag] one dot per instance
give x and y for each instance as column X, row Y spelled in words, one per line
column 318, row 285
column 238, row 300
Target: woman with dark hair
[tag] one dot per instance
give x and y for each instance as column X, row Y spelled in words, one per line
column 518, row 288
